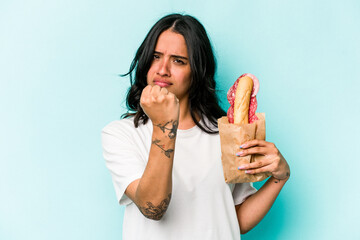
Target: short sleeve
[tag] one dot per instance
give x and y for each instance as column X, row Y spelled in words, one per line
column 242, row 191
column 122, row 158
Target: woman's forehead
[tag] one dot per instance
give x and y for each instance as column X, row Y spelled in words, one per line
column 171, row 43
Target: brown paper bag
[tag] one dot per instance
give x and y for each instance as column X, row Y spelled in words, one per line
column 231, row 137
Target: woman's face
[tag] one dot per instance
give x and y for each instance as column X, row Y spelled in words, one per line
column 170, row 67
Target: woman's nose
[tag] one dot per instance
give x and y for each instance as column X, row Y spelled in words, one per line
column 164, row 68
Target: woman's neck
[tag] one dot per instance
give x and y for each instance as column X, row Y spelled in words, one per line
column 185, row 119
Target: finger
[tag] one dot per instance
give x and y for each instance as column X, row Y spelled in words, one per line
column 171, row 95
column 146, row 91
column 164, row 91
column 145, row 95
column 258, row 164
column 257, row 170
column 253, row 150
column 155, row 91
column 255, row 142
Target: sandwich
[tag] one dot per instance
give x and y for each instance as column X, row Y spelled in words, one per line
column 242, row 99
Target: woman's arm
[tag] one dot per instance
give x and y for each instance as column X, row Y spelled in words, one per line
column 254, row 208
column 152, row 192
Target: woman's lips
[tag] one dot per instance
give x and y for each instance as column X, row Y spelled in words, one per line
column 162, row 83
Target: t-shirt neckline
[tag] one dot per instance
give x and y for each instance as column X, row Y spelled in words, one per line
column 189, row 131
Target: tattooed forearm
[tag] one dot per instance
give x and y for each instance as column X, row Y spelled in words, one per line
column 162, row 147
column 155, row 212
column 173, row 128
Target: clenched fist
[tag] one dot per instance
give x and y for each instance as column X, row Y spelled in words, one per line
column 159, row 104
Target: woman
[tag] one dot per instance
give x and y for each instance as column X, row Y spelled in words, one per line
column 165, row 156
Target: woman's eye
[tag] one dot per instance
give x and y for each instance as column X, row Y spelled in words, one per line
column 179, row 61
column 156, row 56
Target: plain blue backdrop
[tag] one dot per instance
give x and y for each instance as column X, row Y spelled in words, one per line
column 59, row 66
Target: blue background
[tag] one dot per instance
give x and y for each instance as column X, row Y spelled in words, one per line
column 60, row 61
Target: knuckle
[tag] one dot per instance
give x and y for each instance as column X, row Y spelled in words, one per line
column 276, row 151
column 143, row 93
column 143, row 100
column 147, row 89
column 156, row 88
column 169, row 97
column 161, row 98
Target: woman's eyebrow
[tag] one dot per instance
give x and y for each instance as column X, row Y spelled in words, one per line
column 177, row 56
column 173, row 56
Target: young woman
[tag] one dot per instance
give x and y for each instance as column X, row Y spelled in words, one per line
column 165, row 156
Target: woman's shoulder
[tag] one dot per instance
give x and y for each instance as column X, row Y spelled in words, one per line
column 120, row 124
column 124, row 126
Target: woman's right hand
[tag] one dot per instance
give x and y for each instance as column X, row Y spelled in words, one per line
column 159, row 104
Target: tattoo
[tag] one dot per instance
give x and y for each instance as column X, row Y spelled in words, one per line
column 155, row 212
column 166, row 152
column 173, row 128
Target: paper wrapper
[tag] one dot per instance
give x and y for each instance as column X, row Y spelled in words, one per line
column 231, row 137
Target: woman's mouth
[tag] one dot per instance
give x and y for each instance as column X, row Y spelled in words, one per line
column 162, row 83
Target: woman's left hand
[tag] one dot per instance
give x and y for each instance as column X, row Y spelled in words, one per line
column 273, row 161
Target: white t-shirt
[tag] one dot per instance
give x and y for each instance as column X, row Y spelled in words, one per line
column 202, row 205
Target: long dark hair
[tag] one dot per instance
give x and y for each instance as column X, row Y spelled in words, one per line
column 202, row 96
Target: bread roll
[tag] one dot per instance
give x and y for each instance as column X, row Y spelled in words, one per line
column 242, row 100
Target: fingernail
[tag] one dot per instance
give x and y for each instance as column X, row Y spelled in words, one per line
column 241, row 167
column 247, row 171
column 239, row 154
column 242, row 146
